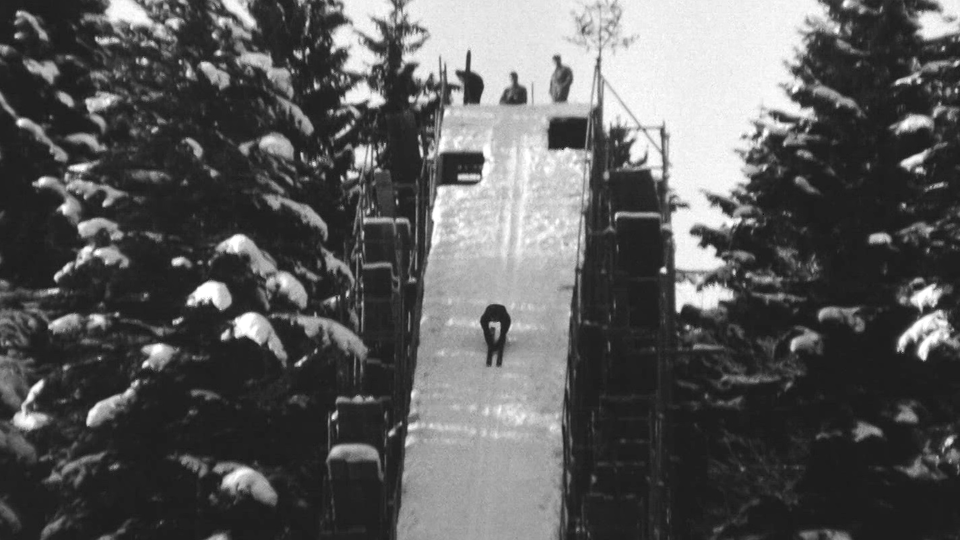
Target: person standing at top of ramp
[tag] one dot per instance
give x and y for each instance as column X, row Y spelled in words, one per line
column 515, row 94
column 560, row 81
column 495, row 313
column 472, row 84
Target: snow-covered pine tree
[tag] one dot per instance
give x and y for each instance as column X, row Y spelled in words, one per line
column 934, row 234
column 197, row 207
column 47, row 61
column 300, row 36
column 821, row 181
column 48, row 67
column 839, row 242
column 210, row 112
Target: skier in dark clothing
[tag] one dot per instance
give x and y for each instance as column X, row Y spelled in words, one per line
column 498, row 313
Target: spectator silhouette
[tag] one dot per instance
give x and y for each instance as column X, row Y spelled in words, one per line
column 560, row 81
column 472, row 84
column 515, row 94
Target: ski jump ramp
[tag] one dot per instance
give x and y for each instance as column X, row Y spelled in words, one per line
column 484, row 456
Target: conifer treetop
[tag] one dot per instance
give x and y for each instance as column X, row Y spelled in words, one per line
column 397, row 36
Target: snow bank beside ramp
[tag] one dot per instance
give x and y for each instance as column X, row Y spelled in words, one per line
column 484, row 455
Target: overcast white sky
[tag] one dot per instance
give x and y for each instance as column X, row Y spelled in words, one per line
column 702, row 66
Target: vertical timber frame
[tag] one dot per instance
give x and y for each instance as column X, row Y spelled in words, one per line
column 596, row 323
column 661, row 519
column 584, row 307
column 407, row 310
column 666, row 354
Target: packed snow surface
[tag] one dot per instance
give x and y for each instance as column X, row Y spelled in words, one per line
column 484, row 450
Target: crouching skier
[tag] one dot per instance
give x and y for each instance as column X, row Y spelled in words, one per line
column 495, row 313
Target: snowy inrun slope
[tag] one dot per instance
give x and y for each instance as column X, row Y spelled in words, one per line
column 484, row 455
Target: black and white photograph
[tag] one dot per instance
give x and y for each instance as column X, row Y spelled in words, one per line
column 479, row 270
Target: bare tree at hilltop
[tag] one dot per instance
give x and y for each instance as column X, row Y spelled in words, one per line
column 598, row 27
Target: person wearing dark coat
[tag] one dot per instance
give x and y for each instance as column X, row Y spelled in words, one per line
column 472, row 86
column 472, row 83
column 495, row 313
column 515, row 94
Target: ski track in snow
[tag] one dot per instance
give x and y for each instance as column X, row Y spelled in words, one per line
column 484, row 449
